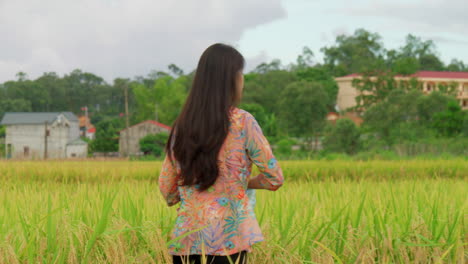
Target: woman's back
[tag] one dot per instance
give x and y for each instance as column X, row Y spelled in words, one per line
column 221, row 220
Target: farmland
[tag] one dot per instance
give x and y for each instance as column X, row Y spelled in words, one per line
column 327, row 212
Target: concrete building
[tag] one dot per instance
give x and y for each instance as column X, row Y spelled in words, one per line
column 35, row 135
column 429, row 81
column 136, row 132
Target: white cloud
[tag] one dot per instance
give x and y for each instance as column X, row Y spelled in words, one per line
column 120, row 38
column 253, row 62
column 423, row 15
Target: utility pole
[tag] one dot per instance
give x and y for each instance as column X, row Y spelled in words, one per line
column 127, row 132
column 45, row 140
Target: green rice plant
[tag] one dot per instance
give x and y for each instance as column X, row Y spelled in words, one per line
column 326, row 212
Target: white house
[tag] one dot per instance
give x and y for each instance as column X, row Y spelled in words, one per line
column 35, row 135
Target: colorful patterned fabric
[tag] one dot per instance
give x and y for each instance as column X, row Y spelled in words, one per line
column 221, row 220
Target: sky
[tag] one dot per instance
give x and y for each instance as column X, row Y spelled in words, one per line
column 129, row 38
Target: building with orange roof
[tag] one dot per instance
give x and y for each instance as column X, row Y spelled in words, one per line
column 429, row 80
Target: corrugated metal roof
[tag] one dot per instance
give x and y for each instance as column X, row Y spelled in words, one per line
column 18, row 118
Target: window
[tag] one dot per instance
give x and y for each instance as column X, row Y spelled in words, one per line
column 465, row 87
column 465, row 103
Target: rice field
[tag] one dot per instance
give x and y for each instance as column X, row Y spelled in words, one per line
column 326, row 212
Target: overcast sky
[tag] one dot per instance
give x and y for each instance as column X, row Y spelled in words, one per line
column 126, row 38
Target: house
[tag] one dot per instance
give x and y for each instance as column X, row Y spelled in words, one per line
column 91, row 133
column 38, row 135
column 429, row 81
column 129, row 140
column 86, row 128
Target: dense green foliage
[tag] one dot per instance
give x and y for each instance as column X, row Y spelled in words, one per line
column 289, row 101
column 153, row 144
column 342, row 137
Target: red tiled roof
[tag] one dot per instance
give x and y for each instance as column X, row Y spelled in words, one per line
column 151, row 122
column 160, row 124
column 441, row 74
column 92, row 130
column 428, row 74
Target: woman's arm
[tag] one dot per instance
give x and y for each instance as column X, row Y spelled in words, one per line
column 259, row 151
column 254, row 183
column 168, row 182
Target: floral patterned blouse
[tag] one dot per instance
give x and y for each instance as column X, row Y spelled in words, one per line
column 221, row 220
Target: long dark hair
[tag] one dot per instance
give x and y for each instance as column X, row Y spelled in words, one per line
column 202, row 126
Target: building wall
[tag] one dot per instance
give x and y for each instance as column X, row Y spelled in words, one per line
column 33, row 137
column 77, row 151
column 74, row 131
column 136, row 133
column 347, row 93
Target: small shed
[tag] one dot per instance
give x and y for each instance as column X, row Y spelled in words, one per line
column 77, row 148
column 129, row 140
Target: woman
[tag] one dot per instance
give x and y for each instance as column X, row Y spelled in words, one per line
column 208, row 165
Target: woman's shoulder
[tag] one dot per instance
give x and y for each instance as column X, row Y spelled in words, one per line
column 241, row 113
column 242, row 117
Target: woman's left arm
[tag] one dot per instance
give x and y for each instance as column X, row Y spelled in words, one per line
column 168, row 182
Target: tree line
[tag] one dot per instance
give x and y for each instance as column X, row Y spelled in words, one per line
column 289, row 101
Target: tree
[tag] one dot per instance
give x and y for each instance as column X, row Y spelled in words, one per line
column 175, row 70
column 2, row 131
column 265, row 89
column 424, row 52
column 153, row 144
column 449, row 122
column 321, row 75
column 457, row 65
column 305, row 60
column 107, row 132
column 284, row 146
column 342, row 137
column 354, row 54
column 304, row 107
column 274, row 65
column 406, row 65
column 15, row 105
column 430, row 104
column 431, row 62
column 163, row 101
column 386, row 116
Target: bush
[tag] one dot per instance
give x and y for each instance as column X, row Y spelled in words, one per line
column 342, row 137
column 153, row 144
column 449, row 122
column 284, row 146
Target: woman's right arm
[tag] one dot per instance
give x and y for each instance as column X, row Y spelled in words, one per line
column 259, row 151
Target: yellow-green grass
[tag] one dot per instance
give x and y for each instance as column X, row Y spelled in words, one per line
column 326, row 212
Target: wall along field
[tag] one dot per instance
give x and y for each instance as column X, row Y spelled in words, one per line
column 326, row 212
